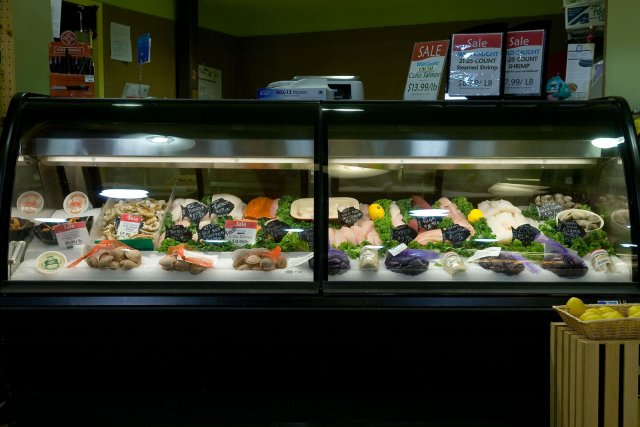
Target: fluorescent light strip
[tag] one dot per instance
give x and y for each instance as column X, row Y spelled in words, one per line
column 149, row 159
column 465, row 161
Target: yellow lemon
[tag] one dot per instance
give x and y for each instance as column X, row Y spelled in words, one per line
column 375, row 211
column 592, row 310
column 633, row 310
column 605, row 309
column 612, row 315
column 575, row 306
column 474, row 216
column 592, row 317
column 636, row 314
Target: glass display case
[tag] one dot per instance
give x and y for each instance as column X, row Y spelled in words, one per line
column 157, row 196
column 437, row 198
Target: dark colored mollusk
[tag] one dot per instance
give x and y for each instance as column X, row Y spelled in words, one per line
column 503, row 263
column 409, row 261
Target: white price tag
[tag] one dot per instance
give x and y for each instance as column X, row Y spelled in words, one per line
column 476, row 63
column 241, row 232
column 524, row 67
column 70, row 234
column 128, row 226
column 484, row 253
column 425, row 71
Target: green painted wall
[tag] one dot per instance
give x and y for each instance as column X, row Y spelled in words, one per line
column 32, row 33
column 622, row 63
column 161, row 8
column 260, row 17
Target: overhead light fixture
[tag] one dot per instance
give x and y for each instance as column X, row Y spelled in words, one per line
column 122, row 193
column 344, row 110
column 127, row 105
column 160, row 139
column 607, row 142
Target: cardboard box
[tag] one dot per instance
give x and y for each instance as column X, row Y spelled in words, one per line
column 584, row 15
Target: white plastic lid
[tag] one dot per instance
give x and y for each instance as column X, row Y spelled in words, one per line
column 76, row 203
column 51, row 262
column 30, row 203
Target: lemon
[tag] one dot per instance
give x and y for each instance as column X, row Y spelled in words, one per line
column 633, row 310
column 575, row 306
column 605, row 309
column 612, row 315
column 592, row 317
column 375, row 211
column 592, row 310
column 636, row 314
column 474, row 216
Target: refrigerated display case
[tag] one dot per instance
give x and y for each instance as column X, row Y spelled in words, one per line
column 464, row 198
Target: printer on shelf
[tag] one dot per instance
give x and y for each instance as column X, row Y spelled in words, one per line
column 315, row 88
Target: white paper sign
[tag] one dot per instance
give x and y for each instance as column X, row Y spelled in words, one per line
column 128, row 225
column 476, row 63
column 579, row 67
column 425, row 71
column 121, row 42
column 70, row 234
column 525, row 54
column 56, row 13
column 241, row 232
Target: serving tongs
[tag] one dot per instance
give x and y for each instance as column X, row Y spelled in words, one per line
column 17, row 248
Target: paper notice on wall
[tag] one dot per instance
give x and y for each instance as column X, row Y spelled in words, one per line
column 209, row 83
column 425, row 71
column 56, row 13
column 121, row 42
column 524, row 63
column 476, row 64
column 579, row 67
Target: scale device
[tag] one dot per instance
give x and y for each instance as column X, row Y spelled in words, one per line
column 315, row 88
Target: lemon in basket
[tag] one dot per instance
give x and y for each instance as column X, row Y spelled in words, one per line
column 591, row 316
column 634, row 311
column 575, row 306
column 612, row 315
column 606, row 309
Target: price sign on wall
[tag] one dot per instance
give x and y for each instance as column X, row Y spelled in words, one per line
column 524, row 63
column 425, row 71
column 476, row 64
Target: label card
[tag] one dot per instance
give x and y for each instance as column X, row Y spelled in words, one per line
column 428, row 222
column 571, row 231
column 456, row 234
column 179, row 233
column 211, row 232
column 349, row 216
column 579, row 69
column 476, row 63
column 195, row 211
column 549, row 210
column 128, row 225
column 524, row 63
column 241, row 232
column 221, row 207
column 425, row 70
column 484, row 253
column 71, row 234
column 403, row 233
column 526, row 233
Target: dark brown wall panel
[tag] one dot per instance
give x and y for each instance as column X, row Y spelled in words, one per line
column 220, row 51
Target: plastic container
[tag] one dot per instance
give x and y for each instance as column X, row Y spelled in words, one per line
column 76, row 203
column 50, row 262
column 30, row 203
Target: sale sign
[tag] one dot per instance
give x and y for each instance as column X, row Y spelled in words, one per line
column 241, row 232
column 70, row 234
column 476, row 64
column 425, row 70
column 524, row 63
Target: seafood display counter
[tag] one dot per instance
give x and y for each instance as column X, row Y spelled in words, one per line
column 436, row 198
column 120, row 196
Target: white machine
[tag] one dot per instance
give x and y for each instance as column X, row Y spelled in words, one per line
column 315, row 87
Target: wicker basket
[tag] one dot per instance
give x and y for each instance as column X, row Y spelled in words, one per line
column 627, row 328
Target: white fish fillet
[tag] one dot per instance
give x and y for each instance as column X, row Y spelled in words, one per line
column 238, row 205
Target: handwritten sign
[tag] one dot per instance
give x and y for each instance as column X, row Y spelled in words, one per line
column 241, row 232
column 456, row 234
column 549, row 210
column 428, row 222
column 524, row 63
column 425, row 70
column 179, row 233
column 211, row 232
column 195, row 211
column 349, row 216
column 276, row 229
column 525, row 233
column 403, row 233
column 476, row 64
column 571, row 230
column 128, row 225
column 221, row 207
column 70, row 234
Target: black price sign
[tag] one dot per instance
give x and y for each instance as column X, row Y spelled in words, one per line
column 428, row 222
column 277, row 229
column 549, row 210
column 211, row 232
column 525, row 233
column 456, row 234
column 349, row 216
column 221, row 207
column 403, row 233
column 195, row 211
column 179, row 233
column 570, row 230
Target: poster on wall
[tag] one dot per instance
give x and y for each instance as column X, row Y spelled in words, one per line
column 71, row 68
column 476, row 64
column 425, row 70
column 524, row 63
